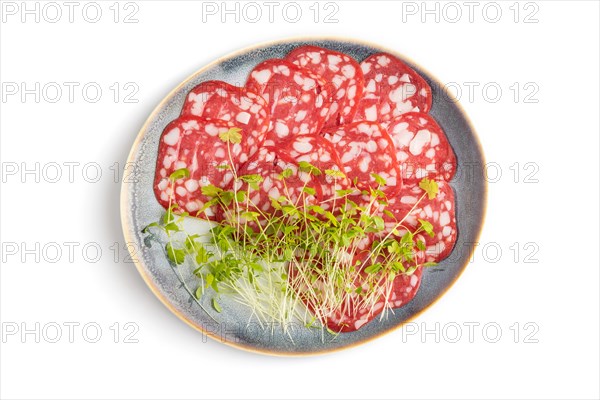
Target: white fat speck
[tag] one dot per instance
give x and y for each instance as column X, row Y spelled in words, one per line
column 371, row 113
column 261, row 77
column 378, row 77
column 391, row 181
column 164, row 196
column 446, row 231
column 435, row 139
column 337, row 81
column 351, row 91
column 300, row 115
column 302, row 147
column 430, row 153
column 392, row 79
column 414, row 280
column 448, row 204
column 408, row 200
column 371, row 146
column 401, row 135
column 363, row 164
column 315, row 56
column 281, row 129
column 383, row 60
column 420, row 140
column 383, row 144
column 365, row 67
column 405, row 78
column 423, row 92
column 163, row 184
column 347, row 157
column 220, row 153
column 371, row 86
column 255, row 108
column 420, row 173
column 359, row 323
column 192, row 206
column 444, row 218
column 243, row 117
column 349, row 71
column 334, row 59
column 180, row 190
column 274, row 193
column 428, row 210
column 211, row 129
column 172, row 137
column 191, row 185
column 180, row 164
column 190, row 125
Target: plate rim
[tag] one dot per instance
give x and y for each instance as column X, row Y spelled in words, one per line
column 128, row 229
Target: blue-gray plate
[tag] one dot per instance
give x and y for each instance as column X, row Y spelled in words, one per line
column 139, row 208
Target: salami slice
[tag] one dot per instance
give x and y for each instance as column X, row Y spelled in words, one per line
column 298, row 100
column 269, row 163
column 321, row 154
column 392, row 88
column 422, row 148
column 194, row 143
column 344, row 74
column 366, row 148
column 440, row 212
column 245, row 109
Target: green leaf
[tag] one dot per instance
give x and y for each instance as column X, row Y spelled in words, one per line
column 216, row 305
column 429, row 264
column 286, row 173
column 240, row 196
column 305, row 166
column 379, row 222
column 199, row 292
column 147, row 227
column 211, row 190
column 427, row 227
column 210, row 278
column 378, row 179
column 310, row 191
column 335, row 173
column 233, row 135
column 421, row 245
column 178, row 174
column 176, row 256
column 430, row 187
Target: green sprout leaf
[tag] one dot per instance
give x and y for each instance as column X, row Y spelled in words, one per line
column 427, row 227
column 378, row 179
column 231, row 136
column 177, row 256
column 178, row 174
column 430, row 187
column 216, row 305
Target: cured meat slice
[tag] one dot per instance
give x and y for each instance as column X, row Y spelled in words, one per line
column 422, row 148
column 392, row 88
column 344, row 74
column 245, row 109
column 321, row 154
column 269, row 164
column 440, row 212
column 298, row 100
column 366, row 148
column 194, row 143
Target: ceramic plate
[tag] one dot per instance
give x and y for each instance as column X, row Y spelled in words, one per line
column 139, row 208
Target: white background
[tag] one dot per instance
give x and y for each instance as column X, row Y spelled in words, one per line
column 559, row 133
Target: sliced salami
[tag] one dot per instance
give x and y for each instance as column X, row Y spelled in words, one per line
column 298, row 100
column 440, row 212
column 269, row 163
column 366, row 148
column 422, row 148
column 392, row 88
column 344, row 74
column 320, row 153
column 194, row 143
column 245, row 109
